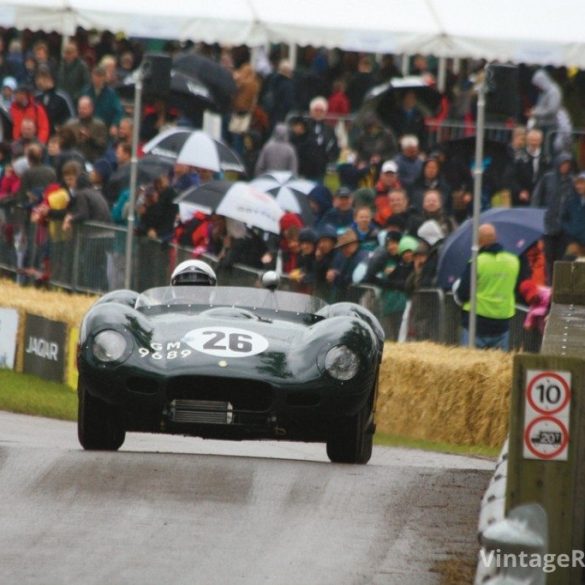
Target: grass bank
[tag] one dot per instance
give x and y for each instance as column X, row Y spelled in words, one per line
column 31, row 395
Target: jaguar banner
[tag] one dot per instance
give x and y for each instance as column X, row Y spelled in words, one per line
column 44, row 348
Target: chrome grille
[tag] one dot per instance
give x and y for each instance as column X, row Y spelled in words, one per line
column 201, row 411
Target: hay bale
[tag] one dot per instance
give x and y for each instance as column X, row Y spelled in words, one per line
column 440, row 393
column 59, row 306
column 427, row 391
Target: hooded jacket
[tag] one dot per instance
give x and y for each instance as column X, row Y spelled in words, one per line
column 277, row 154
column 549, row 100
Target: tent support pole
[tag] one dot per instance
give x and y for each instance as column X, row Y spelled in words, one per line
column 133, row 177
column 442, row 74
column 292, row 55
column 405, row 64
column 477, row 180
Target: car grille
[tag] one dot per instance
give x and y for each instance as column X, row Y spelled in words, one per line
column 242, row 395
column 201, row 412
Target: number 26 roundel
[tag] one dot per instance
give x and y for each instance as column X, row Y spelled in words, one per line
column 226, row 341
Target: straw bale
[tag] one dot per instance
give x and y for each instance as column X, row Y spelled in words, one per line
column 440, row 393
column 59, row 306
column 427, row 391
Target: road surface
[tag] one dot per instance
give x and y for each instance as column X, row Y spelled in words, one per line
column 182, row 511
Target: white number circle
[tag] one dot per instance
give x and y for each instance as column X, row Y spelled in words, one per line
column 226, row 341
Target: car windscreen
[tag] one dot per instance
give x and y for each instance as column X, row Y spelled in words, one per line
column 229, row 296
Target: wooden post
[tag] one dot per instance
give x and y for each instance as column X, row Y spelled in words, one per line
column 547, row 432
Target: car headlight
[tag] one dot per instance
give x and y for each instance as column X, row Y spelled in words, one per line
column 342, row 363
column 109, row 346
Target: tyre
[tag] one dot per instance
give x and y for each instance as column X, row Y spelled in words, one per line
column 352, row 439
column 99, row 425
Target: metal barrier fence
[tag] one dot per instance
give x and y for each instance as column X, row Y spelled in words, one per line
column 92, row 259
column 436, row 131
column 439, row 131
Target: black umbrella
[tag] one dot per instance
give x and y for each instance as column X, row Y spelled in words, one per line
column 187, row 92
column 461, row 151
column 289, row 191
column 212, row 75
column 387, row 97
column 206, row 197
column 464, row 148
column 149, row 168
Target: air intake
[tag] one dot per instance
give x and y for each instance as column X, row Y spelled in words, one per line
column 209, row 412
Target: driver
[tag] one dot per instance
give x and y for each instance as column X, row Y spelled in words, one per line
column 193, row 272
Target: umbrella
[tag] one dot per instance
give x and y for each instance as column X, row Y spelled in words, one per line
column 186, row 92
column 464, row 147
column 289, row 191
column 517, row 228
column 461, row 152
column 204, row 199
column 212, row 75
column 195, row 148
column 239, row 201
column 149, row 168
column 387, row 97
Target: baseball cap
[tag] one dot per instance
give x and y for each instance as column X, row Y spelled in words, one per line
column 307, row 235
column 393, row 235
column 343, row 192
column 407, row 244
column 327, row 231
column 9, row 82
column 389, row 167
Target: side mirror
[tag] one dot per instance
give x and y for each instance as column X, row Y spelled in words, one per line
column 270, row 280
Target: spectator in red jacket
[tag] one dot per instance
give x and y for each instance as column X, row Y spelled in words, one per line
column 338, row 100
column 23, row 107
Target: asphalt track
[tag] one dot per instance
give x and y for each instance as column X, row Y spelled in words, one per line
column 176, row 510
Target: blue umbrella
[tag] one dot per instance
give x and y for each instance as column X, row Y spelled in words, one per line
column 517, row 228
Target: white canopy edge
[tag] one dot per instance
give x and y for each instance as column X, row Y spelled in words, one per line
column 530, row 31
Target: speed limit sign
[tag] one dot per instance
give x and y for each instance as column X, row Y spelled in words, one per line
column 546, row 415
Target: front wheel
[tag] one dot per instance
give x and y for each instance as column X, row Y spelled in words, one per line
column 352, row 439
column 99, row 425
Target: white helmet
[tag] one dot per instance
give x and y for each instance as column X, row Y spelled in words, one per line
column 193, row 272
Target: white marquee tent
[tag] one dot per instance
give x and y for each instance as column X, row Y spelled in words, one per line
column 531, row 31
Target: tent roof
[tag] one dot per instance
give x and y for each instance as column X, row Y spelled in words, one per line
column 508, row 30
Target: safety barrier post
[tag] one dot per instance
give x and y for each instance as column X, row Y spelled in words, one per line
column 547, row 428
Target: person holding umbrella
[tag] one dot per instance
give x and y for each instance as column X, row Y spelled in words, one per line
column 497, row 280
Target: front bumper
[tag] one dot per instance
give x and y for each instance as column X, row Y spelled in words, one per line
column 228, row 407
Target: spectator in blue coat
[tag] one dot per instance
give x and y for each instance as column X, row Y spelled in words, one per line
column 344, row 271
column 409, row 161
column 340, row 216
column 573, row 219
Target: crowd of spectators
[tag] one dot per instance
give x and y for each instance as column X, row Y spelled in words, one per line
column 67, row 144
